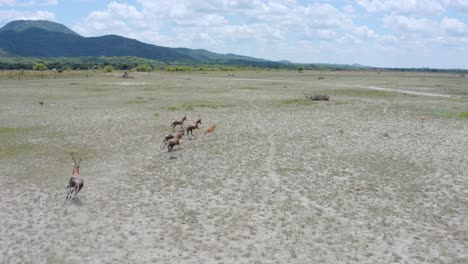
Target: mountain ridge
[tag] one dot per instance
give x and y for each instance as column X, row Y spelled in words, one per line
column 42, row 38
column 21, row 25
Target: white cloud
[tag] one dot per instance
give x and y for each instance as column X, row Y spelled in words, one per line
column 7, row 2
column 326, row 34
column 461, row 5
column 9, row 15
column 364, row 32
column 410, row 26
column 453, row 26
column 28, row 3
column 118, row 18
column 325, row 16
column 275, row 28
column 349, row 39
column 201, row 21
column 407, row 7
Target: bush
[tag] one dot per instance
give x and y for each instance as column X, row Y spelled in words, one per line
column 143, row 68
column 108, row 68
column 40, row 67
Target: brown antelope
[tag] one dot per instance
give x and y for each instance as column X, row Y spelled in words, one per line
column 179, row 122
column 76, row 182
column 171, row 143
column 173, row 135
column 423, row 120
column 209, row 130
column 193, row 126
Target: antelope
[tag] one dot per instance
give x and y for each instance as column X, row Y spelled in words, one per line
column 423, row 120
column 193, row 126
column 76, row 182
column 209, row 130
column 171, row 143
column 173, row 135
column 179, row 122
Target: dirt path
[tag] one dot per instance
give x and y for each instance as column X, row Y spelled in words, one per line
column 271, row 143
column 371, row 87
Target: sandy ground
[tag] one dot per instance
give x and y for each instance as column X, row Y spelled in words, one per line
column 359, row 179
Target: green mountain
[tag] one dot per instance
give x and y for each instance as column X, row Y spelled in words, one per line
column 45, row 39
column 22, row 25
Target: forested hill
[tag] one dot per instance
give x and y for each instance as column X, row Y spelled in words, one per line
column 45, row 39
column 21, row 25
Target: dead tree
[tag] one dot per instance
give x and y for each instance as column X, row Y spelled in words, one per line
column 319, row 97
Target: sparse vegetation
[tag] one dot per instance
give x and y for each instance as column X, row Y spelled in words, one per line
column 450, row 114
column 108, row 69
column 144, row 68
column 291, row 172
column 298, row 101
column 40, row 67
column 187, row 106
column 250, row 88
column 363, row 93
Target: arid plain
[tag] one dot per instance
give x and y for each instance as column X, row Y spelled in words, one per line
column 378, row 174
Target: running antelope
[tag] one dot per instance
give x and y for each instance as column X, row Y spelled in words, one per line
column 179, row 122
column 423, row 120
column 193, row 126
column 171, row 143
column 76, row 182
column 209, row 130
column 173, row 135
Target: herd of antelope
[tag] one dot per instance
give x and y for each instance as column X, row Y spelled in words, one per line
column 174, row 139
column 76, row 183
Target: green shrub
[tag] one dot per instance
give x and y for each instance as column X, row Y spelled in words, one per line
column 40, row 67
column 143, row 68
column 108, row 68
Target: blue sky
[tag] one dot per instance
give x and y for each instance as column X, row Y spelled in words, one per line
column 387, row 33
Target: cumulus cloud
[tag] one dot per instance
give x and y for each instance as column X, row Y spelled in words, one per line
column 272, row 27
column 28, row 3
column 7, row 2
column 418, row 7
column 118, row 18
column 461, row 5
column 453, row 26
column 409, row 25
column 9, row 15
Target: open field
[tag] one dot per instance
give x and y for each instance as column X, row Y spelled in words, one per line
column 359, row 179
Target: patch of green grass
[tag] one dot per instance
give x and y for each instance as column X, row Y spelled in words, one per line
column 16, row 150
column 156, row 114
column 5, row 131
column 362, row 93
column 94, row 89
column 450, row 114
column 137, row 101
column 298, row 101
column 150, row 88
column 250, row 88
column 187, row 106
column 83, row 152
